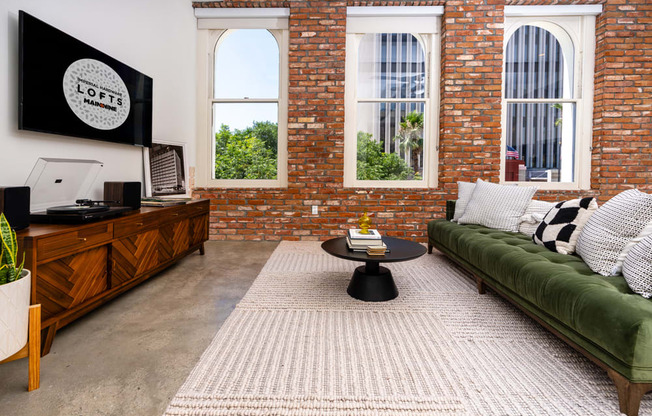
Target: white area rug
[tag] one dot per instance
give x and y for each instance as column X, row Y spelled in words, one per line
column 297, row 344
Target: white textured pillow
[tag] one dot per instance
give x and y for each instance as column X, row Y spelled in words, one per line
column 533, row 216
column 464, row 192
column 625, row 218
column 637, row 268
column 497, row 206
column 647, row 230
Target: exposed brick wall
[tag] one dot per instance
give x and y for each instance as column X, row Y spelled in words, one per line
column 622, row 155
column 471, row 64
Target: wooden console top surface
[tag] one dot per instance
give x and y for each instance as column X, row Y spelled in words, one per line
column 40, row 230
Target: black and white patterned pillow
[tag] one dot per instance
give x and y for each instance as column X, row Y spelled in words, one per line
column 620, row 223
column 563, row 224
column 637, row 268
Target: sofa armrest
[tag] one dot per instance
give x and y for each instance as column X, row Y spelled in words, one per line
column 450, row 209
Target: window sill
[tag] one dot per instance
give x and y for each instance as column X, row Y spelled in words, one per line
column 407, row 185
column 243, row 183
column 549, row 186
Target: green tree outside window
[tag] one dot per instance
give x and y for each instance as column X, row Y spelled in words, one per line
column 250, row 153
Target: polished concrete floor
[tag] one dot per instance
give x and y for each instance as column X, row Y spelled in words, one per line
column 130, row 356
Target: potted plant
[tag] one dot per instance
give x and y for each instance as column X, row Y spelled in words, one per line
column 15, row 288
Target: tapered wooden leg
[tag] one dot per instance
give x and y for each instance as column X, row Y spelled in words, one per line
column 34, row 341
column 481, row 286
column 629, row 394
column 46, row 343
column 201, row 249
column 429, row 248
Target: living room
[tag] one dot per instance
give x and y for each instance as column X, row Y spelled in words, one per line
column 376, row 107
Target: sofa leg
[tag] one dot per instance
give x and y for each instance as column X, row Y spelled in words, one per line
column 629, row 394
column 481, row 286
column 429, row 248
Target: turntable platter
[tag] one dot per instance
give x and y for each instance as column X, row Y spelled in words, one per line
column 77, row 209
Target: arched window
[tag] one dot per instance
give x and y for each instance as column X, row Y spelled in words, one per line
column 540, row 133
column 391, row 100
column 547, row 95
column 392, row 69
column 246, row 107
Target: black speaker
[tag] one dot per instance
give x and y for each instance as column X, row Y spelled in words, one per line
column 14, row 202
column 126, row 194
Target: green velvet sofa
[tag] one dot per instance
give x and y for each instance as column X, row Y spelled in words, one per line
column 599, row 316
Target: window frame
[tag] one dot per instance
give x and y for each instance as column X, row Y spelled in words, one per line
column 424, row 23
column 567, row 23
column 208, row 42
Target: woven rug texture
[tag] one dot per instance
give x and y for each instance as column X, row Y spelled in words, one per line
column 297, row 344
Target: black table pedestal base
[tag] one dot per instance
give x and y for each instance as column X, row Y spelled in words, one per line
column 372, row 283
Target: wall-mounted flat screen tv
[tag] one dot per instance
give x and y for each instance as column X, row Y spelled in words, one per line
column 70, row 88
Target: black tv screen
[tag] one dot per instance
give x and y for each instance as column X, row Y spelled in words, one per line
column 68, row 87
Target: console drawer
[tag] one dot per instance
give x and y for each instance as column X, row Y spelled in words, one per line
column 174, row 214
column 135, row 225
column 62, row 244
column 197, row 209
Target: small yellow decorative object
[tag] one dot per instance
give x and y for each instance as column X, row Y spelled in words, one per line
column 365, row 223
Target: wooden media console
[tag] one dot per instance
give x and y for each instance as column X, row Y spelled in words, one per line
column 76, row 268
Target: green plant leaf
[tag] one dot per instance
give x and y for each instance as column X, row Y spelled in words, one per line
column 9, row 270
column 8, row 240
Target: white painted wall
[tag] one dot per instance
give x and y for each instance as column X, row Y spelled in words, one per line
column 156, row 37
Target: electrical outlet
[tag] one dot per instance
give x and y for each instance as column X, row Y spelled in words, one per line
column 315, row 210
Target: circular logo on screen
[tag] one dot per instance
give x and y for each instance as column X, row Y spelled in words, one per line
column 96, row 94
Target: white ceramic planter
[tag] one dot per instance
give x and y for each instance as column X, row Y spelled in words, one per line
column 14, row 315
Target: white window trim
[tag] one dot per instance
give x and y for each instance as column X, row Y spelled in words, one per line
column 206, row 42
column 379, row 21
column 394, row 11
column 242, row 13
column 554, row 10
column 580, row 27
column 242, row 18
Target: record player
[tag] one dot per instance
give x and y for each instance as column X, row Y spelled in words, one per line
column 60, row 190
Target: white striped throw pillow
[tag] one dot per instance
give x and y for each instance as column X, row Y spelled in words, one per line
column 497, row 206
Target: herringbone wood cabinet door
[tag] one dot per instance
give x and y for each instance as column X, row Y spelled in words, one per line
column 198, row 230
column 133, row 256
column 67, row 282
column 174, row 239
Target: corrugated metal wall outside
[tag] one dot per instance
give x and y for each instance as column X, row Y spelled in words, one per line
column 534, row 69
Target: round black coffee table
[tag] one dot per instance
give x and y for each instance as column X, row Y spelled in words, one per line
column 372, row 282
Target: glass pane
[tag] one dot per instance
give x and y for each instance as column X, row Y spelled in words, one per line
column 540, row 142
column 390, row 141
column 391, row 65
column 246, row 136
column 535, row 66
column 246, row 64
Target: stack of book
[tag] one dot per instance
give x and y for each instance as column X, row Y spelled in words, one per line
column 371, row 243
column 377, row 251
column 163, row 202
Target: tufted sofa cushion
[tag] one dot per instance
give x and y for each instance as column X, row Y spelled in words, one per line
column 599, row 313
